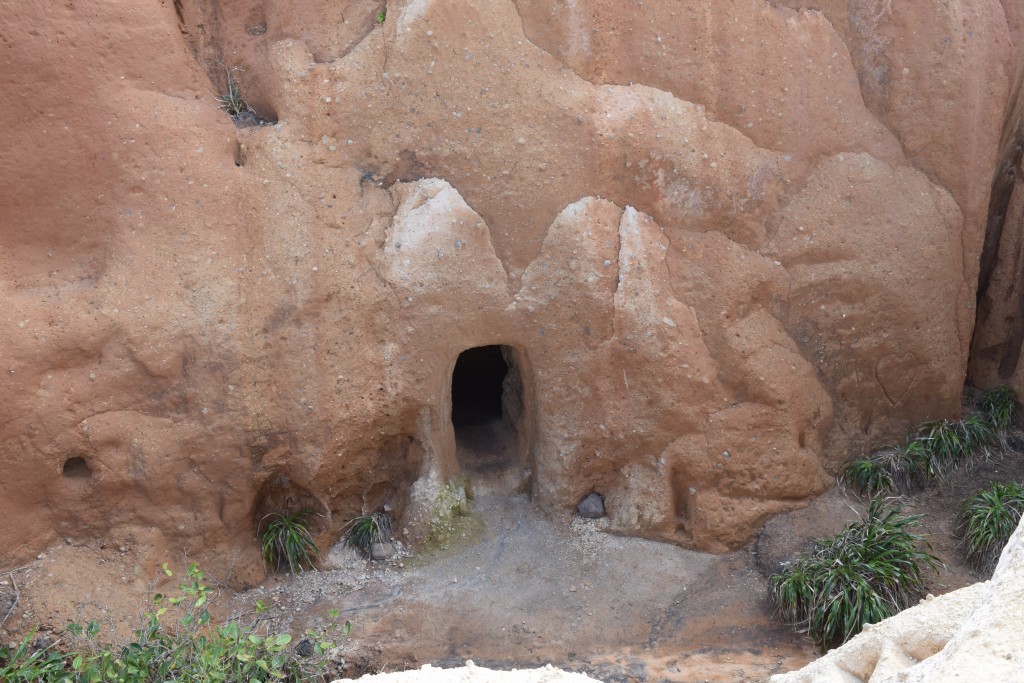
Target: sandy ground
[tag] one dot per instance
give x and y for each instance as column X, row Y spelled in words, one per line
column 524, row 590
column 516, row 589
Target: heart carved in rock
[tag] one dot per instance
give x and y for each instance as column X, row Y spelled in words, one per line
column 895, row 373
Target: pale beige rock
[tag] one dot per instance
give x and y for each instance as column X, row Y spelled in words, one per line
column 475, row 674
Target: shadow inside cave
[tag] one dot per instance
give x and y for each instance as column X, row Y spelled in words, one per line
column 487, row 401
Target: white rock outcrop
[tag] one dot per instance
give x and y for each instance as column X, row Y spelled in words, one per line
column 476, row 674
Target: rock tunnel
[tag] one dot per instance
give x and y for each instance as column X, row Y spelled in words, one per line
column 492, row 445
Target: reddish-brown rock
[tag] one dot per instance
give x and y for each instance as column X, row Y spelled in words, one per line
column 723, row 248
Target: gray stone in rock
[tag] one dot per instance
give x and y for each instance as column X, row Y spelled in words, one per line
column 592, row 506
column 382, row 551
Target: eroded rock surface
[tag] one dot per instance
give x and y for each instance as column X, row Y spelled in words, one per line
column 721, row 249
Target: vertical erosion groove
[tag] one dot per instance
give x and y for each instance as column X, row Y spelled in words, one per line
column 1002, row 336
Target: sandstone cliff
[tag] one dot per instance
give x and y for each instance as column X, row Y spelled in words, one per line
column 723, row 246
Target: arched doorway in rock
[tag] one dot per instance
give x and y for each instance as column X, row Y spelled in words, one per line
column 490, row 415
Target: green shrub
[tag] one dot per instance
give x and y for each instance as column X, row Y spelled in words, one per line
column 987, row 519
column 286, row 542
column 176, row 642
column 866, row 573
column 364, row 531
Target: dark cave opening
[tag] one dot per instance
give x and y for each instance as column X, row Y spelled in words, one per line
column 76, row 468
column 486, row 405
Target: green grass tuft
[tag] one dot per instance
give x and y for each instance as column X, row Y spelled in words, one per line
column 232, row 101
column 987, row 519
column 364, row 531
column 871, row 570
column 981, row 438
column 938, row 448
column 286, row 543
column 1000, row 405
column 945, row 442
column 876, row 473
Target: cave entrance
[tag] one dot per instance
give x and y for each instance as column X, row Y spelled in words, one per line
column 488, row 417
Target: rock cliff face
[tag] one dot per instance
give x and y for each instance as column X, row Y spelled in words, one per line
column 721, row 248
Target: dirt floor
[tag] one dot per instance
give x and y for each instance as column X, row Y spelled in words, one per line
column 517, row 588
column 525, row 590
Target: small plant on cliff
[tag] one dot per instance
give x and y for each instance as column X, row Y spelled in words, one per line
column 232, row 101
column 868, row 572
column 286, row 543
column 987, row 519
column 364, row 531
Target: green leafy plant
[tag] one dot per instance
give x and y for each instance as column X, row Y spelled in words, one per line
column 871, row 570
column 381, row 16
column 176, row 642
column 364, row 531
column 286, row 542
column 27, row 663
column 232, row 101
column 987, row 519
column 1000, row 405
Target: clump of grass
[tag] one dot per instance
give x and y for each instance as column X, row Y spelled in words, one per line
column 945, row 442
column 869, row 475
column 871, row 570
column 938, row 448
column 892, row 469
column 176, row 642
column 286, row 543
column 364, row 531
column 1000, row 405
column 987, row 519
column 981, row 438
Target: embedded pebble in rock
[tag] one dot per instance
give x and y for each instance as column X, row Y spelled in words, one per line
column 591, row 507
column 382, row 551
